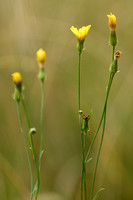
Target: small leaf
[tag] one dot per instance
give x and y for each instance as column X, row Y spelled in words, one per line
column 86, row 162
column 98, row 192
column 40, row 156
column 35, row 189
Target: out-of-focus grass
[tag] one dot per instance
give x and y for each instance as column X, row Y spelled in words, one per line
column 28, row 25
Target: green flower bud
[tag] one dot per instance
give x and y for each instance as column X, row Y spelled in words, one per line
column 114, row 64
column 113, row 67
column 17, row 94
column 113, row 38
column 41, row 74
column 80, row 46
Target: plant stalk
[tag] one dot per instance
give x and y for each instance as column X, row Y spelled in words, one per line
column 104, row 121
column 83, row 170
column 42, row 110
column 27, row 149
column 32, row 145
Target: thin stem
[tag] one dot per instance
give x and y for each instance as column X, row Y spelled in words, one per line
column 83, row 170
column 31, row 145
column 41, row 141
column 26, row 112
column 82, row 139
column 27, row 151
column 85, row 192
column 42, row 109
column 79, row 82
column 93, row 140
column 37, row 167
column 104, row 116
column 85, row 140
column 92, row 191
column 113, row 51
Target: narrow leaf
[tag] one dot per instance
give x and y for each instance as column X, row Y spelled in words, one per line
column 86, row 162
column 98, row 192
column 35, row 189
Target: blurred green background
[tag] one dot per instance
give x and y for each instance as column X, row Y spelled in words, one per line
column 26, row 26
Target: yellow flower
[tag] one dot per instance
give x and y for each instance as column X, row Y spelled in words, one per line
column 81, row 33
column 112, row 21
column 41, row 56
column 17, row 79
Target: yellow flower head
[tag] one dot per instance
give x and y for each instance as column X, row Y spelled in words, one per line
column 41, row 56
column 112, row 21
column 81, row 33
column 16, row 77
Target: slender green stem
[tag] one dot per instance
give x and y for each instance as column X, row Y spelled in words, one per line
column 85, row 140
column 42, row 110
column 92, row 191
column 26, row 112
column 85, row 192
column 113, row 51
column 32, row 145
column 93, row 140
column 104, row 116
column 27, row 151
column 79, row 83
column 37, row 167
column 41, row 141
column 83, row 174
column 80, row 122
column 83, row 170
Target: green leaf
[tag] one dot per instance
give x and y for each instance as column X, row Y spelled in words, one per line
column 98, row 192
column 40, row 157
column 86, row 162
column 35, row 189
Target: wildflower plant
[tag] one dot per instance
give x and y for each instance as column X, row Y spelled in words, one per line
column 84, row 120
column 81, row 35
column 19, row 97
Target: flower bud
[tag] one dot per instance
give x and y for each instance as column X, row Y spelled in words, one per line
column 114, row 65
column 113, row 38
column 112, row 21
column 117, row 55
column 16, row 77
column 41, row 56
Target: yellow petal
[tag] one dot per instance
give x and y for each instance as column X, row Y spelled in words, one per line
column 16, row 77
column 41, row 56
column 81, row 33
column 112, row 21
